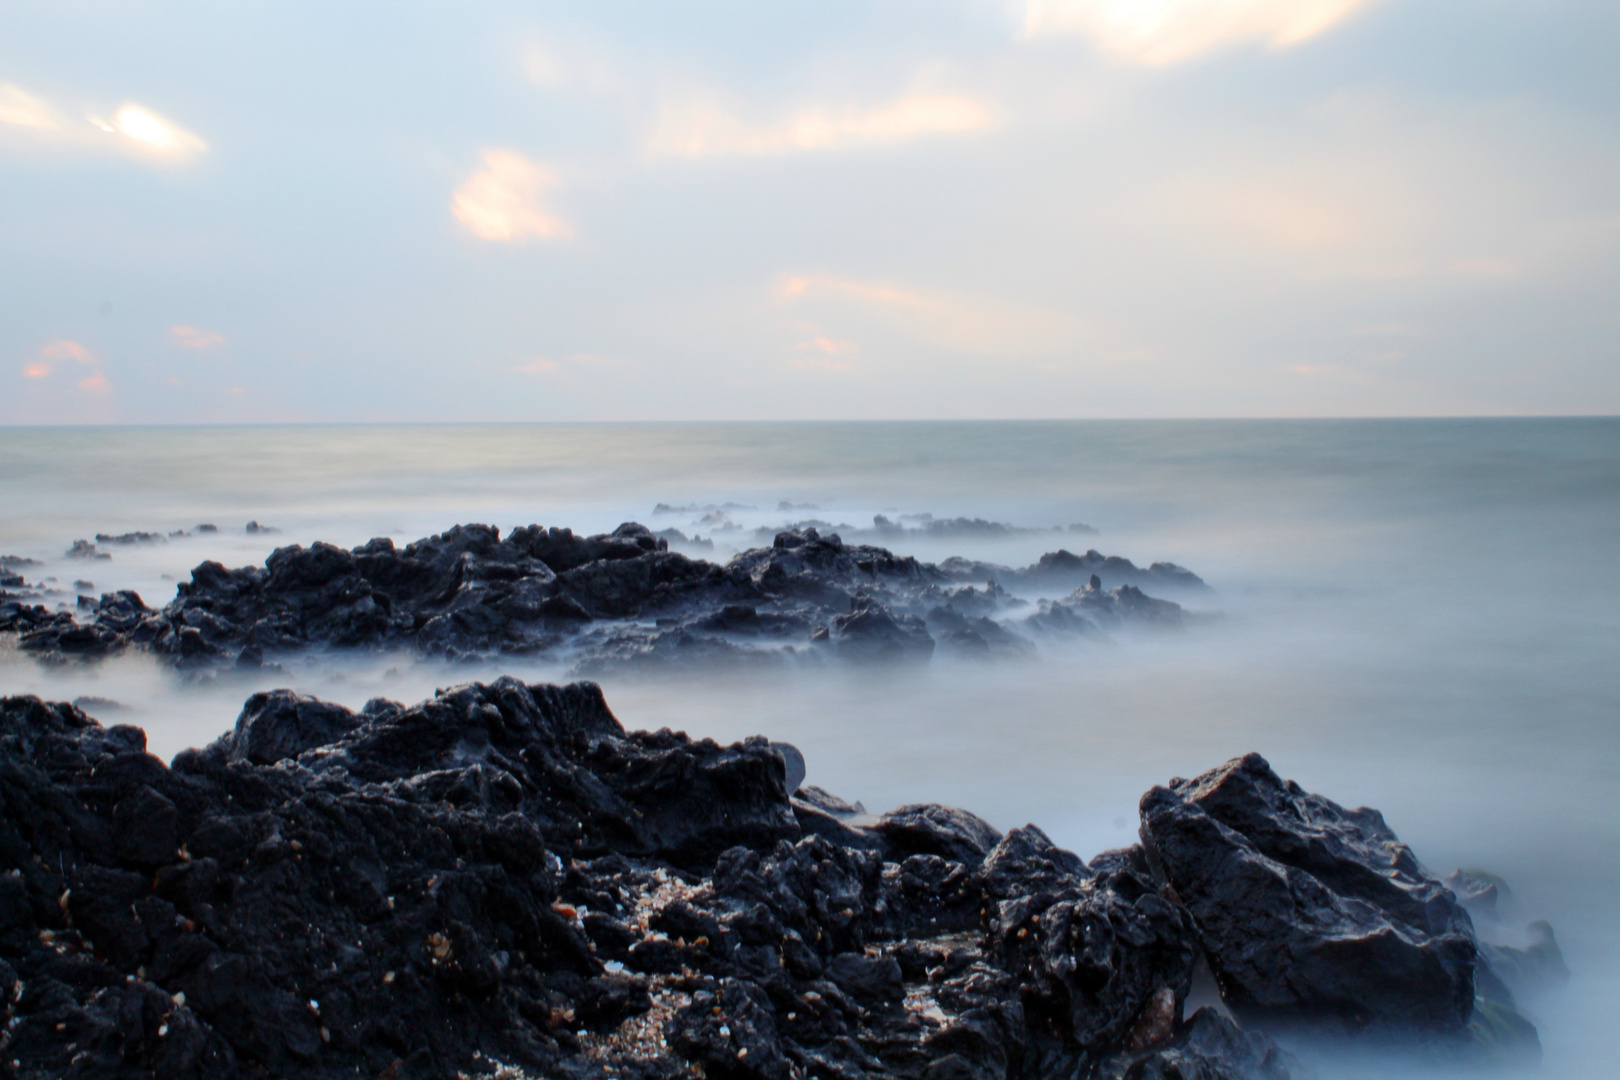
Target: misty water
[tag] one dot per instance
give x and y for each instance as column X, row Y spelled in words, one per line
column 1415, row 615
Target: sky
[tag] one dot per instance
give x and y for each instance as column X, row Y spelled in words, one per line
column 830, row 209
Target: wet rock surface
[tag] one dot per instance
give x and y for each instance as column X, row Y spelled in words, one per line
column 1309, row 912
column 612, row 601
column 503, row 881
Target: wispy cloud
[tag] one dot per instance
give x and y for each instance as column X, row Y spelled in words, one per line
column 1162, row 32
column 558, row 66
column 504, row 201
column 820, row 363
column 189, row 337
column 825, row 345
column 695, row 127
column 575, row 364
column 18, row 108
column 953, row 320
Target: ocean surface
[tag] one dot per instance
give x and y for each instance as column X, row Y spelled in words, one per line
column 1417, row 615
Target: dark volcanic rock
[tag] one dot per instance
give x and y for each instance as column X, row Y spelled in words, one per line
column 1064, row 570
column 280, row 724
column 870, row 632
column 931, row 829
column 597, row 603
column 1308, row 911
column 1206, row 1047
column 503, row 878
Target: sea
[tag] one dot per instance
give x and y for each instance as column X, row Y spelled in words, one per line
column 1421, row 616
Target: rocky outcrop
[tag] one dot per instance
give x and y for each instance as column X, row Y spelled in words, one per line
column 595, row 602
column 1063, row 570
column 1309, row 912
column 502, row 880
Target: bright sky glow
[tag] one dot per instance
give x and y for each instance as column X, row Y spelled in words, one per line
column 1160, row 32
column 839, row 209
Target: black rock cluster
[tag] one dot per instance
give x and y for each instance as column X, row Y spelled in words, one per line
column 615, row 600
column 503, row 881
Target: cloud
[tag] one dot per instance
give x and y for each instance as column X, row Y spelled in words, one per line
column 503, row 201
column 148, row 133
column 189, row 337
column 696, row 128
column 19, row 108
column 826, row 345
column 133, row 129
column 956, row 321
column 44, row 361
column 574, row 66
column 816, row 363
column 1158, row 33
column 63, row 349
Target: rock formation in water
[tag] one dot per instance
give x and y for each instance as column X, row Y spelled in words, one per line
column 621, row 598
column 503, row 881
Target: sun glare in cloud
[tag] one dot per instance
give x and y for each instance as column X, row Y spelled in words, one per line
column 154, row 132
column 190, row 337
column 1162, row 32
column 704, row 129
column 133, row 129
column 503, row 201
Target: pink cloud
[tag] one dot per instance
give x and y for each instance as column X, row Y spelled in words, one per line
column 36, row 370
column 95, row 383
column 505, row 201
column 826, row 345
column 68, row 350
column 192, row 338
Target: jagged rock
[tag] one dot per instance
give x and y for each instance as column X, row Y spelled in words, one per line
column 1308, row 911
column 932, row 829
column 619, row 600
column 871, row 633
column 84, row 549
column 132, row 538
column 503, row 877
column 280, row 724
column 1207, row 1047
column 1095, row 955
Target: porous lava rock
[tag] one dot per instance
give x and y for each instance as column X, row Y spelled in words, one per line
column 502, row 880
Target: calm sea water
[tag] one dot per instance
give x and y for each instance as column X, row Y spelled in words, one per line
column 1416, row 615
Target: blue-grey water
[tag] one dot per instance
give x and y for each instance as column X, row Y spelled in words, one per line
column 1416, row 615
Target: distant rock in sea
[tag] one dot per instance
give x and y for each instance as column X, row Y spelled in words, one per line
column 614, row 600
